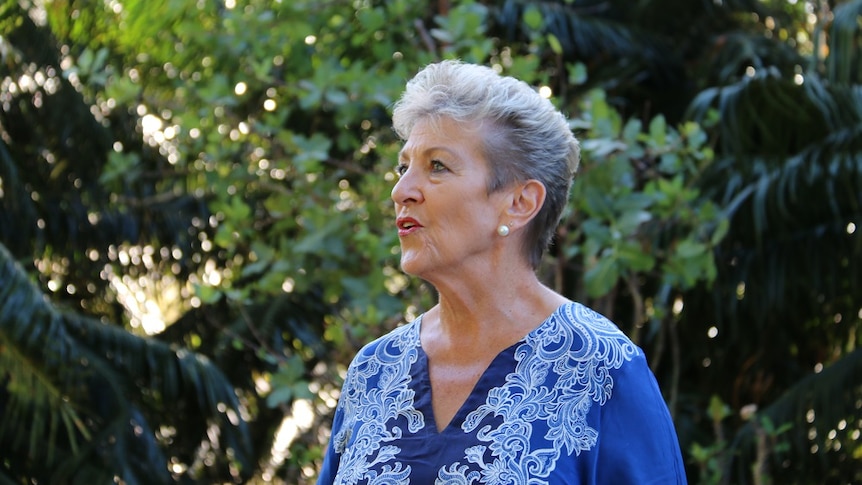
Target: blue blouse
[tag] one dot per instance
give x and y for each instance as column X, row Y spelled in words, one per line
column 573, row 402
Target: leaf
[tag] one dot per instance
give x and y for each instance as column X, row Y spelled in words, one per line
column 577, row 73
column 633, row 257
column 720, row 232
column 207, row 294
column 555, row 45
column 602, row 276
column 310, row 151
column 629, row 221
column 688, row 249
column 279, row 396
column 372, row 19
column 718, row 410
column 533, row 17
column 602, row 147
column 631, row 131
column 658, row 131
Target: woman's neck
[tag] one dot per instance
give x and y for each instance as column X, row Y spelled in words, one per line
column 500, row 308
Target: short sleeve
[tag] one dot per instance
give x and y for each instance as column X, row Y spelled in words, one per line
column 638, row 443
column 331, row 458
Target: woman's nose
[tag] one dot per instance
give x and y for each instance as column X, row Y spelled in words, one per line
column 406, row 189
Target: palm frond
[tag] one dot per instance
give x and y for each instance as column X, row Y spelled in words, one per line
column 33, row 395
column 737, row 52
column 92, row 392
column 844, row 64
column 586, row 30
column 762, row 114
column 583, row 32
column 821, row 409
column 5, row 480
column 789, row 174
column 777, row 234
column 758, row 119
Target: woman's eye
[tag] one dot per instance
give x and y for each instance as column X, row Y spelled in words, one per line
column 400, row 169
column 437, row 165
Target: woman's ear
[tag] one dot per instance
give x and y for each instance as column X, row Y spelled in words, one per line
column 527, row 199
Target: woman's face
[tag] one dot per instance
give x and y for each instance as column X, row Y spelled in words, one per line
column 445, row 216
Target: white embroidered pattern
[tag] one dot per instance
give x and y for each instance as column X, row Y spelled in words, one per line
column 552, row 388
column 369, row 405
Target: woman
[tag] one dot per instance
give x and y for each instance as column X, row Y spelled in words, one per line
column 503, row 381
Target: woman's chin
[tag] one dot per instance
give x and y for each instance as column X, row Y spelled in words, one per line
column 409, row 267
column 413, row 265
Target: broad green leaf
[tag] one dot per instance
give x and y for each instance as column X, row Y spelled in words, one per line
column 533, row 17
column 602, row 276
column 555, row 45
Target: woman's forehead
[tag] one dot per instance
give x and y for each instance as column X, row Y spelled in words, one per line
column 441, row 134
column 442, row 127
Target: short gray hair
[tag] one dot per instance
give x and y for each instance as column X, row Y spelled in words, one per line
column 531, row 139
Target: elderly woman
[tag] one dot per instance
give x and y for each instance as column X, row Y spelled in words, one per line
column 503, row 381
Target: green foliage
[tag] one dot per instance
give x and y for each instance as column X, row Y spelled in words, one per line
column 712, row 460
column 91, row 394
column 229, row 163
column 637, row 210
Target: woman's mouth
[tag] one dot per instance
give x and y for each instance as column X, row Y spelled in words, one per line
column 407, row 225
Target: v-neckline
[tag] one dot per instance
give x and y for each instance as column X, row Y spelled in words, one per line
column 462, row 411
column 459, row 416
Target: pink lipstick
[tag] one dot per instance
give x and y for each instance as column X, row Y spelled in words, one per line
column 407, row 225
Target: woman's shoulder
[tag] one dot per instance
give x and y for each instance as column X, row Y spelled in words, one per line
column 392, row 355
column 588, row 334
column 586, row 319
column 399, row 340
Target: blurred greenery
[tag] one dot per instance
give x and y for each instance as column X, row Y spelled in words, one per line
column 196, row 233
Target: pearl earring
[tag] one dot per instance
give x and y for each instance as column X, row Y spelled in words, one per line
column 503, row 230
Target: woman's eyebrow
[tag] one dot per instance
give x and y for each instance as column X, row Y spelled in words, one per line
column 403, row 154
